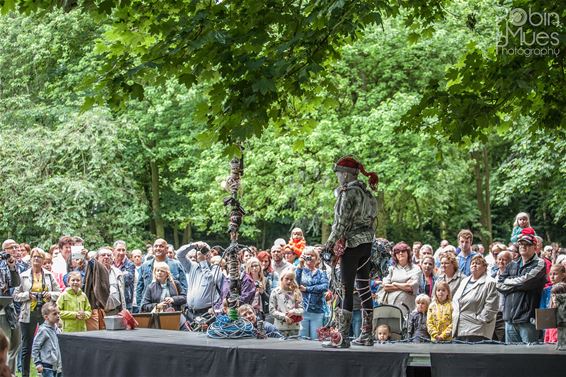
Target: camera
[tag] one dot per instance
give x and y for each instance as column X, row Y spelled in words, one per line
column 257, row 284
column 4, row 255
column 39, row 297
column 204, row 250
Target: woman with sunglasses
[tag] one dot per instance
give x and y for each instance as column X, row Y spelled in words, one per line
column 400, row 286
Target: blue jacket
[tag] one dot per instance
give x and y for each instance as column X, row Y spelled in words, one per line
column 316, row 286
column 146, row 276
column 128, row 269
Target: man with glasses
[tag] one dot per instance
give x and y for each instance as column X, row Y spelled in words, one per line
column 9, row 279
column 116, row 298
column 121, row 262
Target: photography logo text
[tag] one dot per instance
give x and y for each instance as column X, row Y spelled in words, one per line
column 526, row 32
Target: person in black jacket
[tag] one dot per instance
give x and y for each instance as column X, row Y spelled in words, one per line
column 522, row 284
column 164, row 293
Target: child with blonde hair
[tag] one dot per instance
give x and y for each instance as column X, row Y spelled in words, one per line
column 439, row 316
column 74, row 305
column 297, row 241
column 522, row 221
column 382, row 333
column 417, row 320
column 286, row 304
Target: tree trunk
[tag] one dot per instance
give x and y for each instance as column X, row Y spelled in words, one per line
column 155, row 201
column 324, row 232
column 263, row 235
column 418, row 213
column 487, row 199
column 443, row 230
column 481, row 172
column 381, row 226
column 187, row 234
column 176, row 235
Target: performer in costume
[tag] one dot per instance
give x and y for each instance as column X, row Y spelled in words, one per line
column 351, row 239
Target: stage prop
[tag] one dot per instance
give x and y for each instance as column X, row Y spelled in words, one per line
column 155, row 353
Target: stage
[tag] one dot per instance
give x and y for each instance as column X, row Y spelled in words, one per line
column 149, row 352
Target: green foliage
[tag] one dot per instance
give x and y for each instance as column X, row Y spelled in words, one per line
column 492, row 86
column 532, row 174
column 256, row 57
column 63, row 171
column 301, row 82
column 69, row 180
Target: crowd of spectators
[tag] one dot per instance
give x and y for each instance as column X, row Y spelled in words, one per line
column 458, row 292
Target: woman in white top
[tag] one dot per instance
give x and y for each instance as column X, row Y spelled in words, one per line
column 401, row 285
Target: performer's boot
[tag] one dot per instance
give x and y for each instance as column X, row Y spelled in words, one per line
column 341, row 339
column 366, row 336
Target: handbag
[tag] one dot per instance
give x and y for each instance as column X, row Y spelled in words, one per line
column 381, row 295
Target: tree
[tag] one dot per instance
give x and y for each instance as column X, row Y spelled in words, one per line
column 521, row 73
column 256, row 57
column 63, row 171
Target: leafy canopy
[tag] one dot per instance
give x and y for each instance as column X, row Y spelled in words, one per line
column 257, row 57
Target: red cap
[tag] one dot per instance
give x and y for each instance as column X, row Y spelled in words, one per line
column 349, row 164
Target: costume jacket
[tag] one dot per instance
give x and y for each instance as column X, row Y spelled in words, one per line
column 354, row 214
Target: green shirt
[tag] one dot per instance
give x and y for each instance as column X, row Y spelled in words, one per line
column 70, row 303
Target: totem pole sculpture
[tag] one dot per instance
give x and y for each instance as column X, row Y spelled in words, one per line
column 236, row 215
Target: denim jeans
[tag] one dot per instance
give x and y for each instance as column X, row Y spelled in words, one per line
column 310, row 323
column 50, row 373
column 28, row 333
column 356, row 327
column 520, row 333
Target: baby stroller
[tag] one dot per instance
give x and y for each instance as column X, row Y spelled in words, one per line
column 394, row 317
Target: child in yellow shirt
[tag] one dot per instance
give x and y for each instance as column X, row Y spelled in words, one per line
column 439, row 316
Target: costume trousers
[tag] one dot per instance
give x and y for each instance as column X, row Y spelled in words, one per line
column 354, row 270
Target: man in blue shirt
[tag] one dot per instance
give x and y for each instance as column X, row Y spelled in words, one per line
column 146, row 269
column 465, row 239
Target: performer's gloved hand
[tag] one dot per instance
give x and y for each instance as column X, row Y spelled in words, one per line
column 327, row 252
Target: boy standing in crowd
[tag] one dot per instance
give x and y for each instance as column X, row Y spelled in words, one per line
column 45, row 352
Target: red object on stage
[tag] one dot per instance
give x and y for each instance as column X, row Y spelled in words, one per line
column 131, row 322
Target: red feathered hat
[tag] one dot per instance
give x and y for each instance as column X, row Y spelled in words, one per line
column 349, row 164
column 527, row 236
